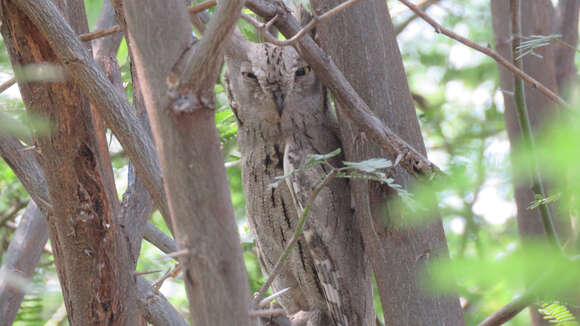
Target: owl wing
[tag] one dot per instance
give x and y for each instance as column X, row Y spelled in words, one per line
column 318, row 226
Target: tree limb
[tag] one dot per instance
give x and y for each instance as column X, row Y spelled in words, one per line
column 114, row 109
column 24, row 165
column 487, row 51
column 178, row 93
column 263, row 27
column 510, row 310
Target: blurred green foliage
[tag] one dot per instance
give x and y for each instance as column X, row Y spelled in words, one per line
column 460, row 108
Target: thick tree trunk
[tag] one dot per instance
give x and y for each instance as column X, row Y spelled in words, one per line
column 156, row 309
column 538, row 18
column 180, row 106
column 373, row 65
column 90, row 251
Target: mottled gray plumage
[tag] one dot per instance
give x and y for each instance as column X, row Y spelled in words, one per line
column 283, row 115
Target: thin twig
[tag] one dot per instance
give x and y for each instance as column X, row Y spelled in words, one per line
column 146, row 272
column 232, row 163
column 518, row 304
column 564, row 43
column 401, row 11
column 510, row 310
column 179, row 253
column 173, row 272
column 267, row 313
column 7, row 84
column 487, row 51
column 100, row 33
column 201, row 7
column 526, row 130
column 280, row 263
column 12, row 212
column 424, row 5
column 84, row 37
column 266, row 301
column 263, row 27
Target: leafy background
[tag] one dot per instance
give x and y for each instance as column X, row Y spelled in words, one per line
column 460, row 108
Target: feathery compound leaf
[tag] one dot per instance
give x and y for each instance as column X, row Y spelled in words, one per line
column 558, row 314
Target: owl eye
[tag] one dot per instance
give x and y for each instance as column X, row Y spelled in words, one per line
column 249, row 75
column 302, row 71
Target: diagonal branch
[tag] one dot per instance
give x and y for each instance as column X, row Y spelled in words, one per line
column 115, row 110
column 487, row 51
column 27, row 170
column 263, row 27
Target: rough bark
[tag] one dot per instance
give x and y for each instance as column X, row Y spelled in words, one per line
column 87, row 242
column 373, row 64
column 538, row 18
column 20, row 261
column 182, row 118
column 566, row 72
column 115, row 110
column 156, row 309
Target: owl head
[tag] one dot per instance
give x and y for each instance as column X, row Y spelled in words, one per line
column 270, row 83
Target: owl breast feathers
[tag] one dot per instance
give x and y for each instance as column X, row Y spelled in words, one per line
column 283, row 114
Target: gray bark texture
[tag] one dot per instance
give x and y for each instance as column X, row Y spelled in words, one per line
column 20, row 262
column 362, row 43
column 177, row 76
column 88, row 243
column 554, row 69
column 153, row 306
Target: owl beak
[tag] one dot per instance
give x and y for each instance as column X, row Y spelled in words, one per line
column 279, row 100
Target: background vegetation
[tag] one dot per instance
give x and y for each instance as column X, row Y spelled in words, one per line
column 460, row 108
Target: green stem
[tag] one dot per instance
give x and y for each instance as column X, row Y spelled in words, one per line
column 297, row 233
column 526, row 130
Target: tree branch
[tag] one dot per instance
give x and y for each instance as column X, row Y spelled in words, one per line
column 201, row 7
column 424, row 5
column 263, row 27
column 487, row 51
column 27, row 170
column 114, row 109
column 83, row 37
column 100, row 33
column 178, row 93
column 510, row 310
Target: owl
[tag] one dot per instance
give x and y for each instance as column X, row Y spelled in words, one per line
column 284, row 115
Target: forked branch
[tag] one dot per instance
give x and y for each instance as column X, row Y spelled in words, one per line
column 263, row 27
